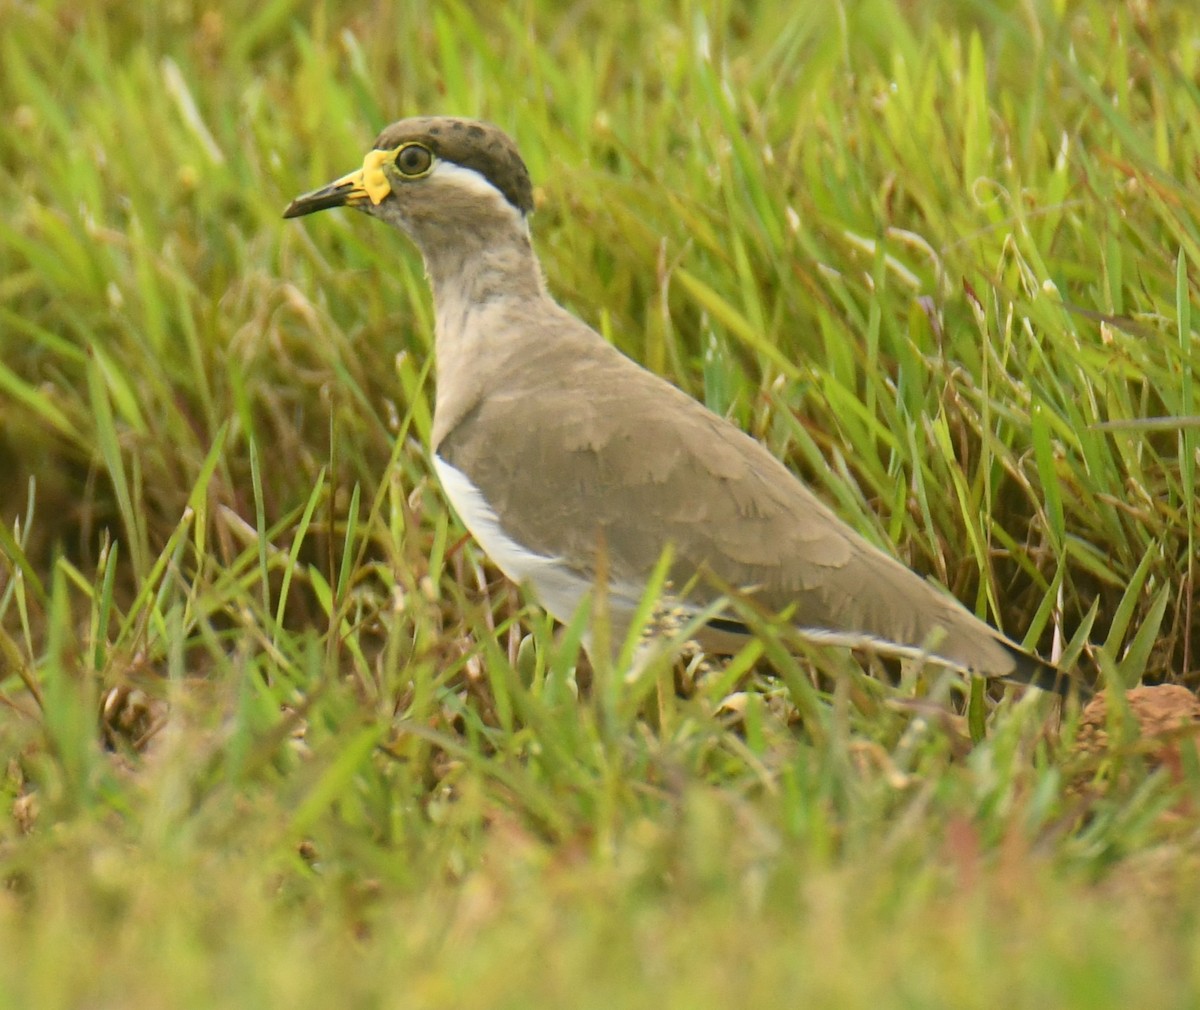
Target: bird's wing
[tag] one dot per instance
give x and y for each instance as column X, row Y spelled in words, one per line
column 640, row 464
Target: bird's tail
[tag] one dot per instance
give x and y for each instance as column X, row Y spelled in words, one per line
column 1036, row 672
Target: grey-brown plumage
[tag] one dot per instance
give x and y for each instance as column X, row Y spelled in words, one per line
column 550, row 442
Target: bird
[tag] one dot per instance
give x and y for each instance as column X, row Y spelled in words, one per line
column 567, row 461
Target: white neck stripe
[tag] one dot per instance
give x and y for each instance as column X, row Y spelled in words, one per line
column 471, row 181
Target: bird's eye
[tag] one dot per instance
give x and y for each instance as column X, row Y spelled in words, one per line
column 414, row 160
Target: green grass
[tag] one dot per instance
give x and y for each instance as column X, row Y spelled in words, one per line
column 275, row 735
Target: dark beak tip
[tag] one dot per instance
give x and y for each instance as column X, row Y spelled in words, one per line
column 310, row 203
column 335, row 195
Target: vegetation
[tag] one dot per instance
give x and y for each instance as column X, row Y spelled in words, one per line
column 276, row 735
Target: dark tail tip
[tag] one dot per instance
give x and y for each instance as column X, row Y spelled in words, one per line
column 1036, row 672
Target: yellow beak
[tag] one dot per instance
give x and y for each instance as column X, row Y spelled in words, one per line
column 367, row 183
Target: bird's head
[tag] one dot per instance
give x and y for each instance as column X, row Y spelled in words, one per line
column 430, row 175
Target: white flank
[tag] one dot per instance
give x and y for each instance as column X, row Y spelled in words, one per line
column 558, row 589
